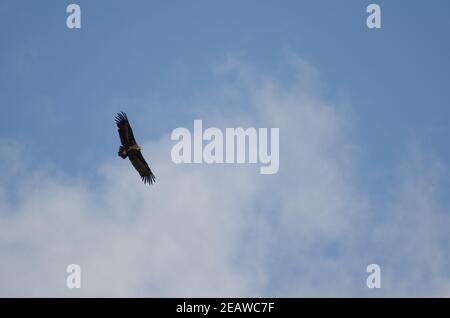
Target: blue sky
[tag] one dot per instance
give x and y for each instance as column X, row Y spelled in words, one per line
column 72, row 81
column 60, row 88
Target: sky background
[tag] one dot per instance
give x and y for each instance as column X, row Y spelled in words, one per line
column 364, row 153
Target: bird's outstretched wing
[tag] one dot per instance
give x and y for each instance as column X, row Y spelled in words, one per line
column 125, row 131
column 138, row 162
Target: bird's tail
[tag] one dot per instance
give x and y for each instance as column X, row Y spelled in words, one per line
column 122, row 152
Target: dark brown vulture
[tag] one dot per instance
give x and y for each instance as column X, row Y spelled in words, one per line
column 131, row 149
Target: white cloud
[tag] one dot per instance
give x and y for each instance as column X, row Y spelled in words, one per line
column 226, row 230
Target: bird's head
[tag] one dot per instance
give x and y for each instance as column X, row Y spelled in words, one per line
column 135, row 148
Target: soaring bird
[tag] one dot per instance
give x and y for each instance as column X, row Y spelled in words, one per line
column 131, row 149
